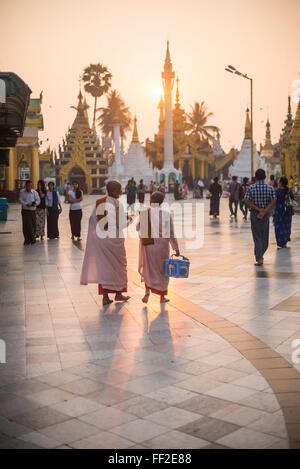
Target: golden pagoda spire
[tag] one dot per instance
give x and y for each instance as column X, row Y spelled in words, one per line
column 268, row 133
column 247, row 125
column 135, row 136
column 177, row 90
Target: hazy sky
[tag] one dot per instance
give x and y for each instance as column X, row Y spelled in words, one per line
column 49, row 42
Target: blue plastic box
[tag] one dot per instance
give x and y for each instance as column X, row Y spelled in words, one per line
column 178, row 268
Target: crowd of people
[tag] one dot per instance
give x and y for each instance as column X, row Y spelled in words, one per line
column 275, row 198
column 43, row 203
column 263, row 200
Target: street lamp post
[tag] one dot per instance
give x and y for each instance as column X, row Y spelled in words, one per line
column 232, row 69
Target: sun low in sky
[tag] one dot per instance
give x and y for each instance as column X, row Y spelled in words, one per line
column 50, row 43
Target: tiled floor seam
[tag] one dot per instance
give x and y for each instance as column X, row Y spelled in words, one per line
column 197, row 313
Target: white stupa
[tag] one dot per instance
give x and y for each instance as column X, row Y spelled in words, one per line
column 116, row 170
column 241, row 167
column 135, row 161
column 168, row 172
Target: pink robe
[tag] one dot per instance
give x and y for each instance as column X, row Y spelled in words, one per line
column 152, row 257
column 105, row 260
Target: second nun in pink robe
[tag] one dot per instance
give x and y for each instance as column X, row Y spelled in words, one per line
column 152, row 256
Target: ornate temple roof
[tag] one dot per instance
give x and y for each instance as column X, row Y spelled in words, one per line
column 288, row 124
column 268, row 149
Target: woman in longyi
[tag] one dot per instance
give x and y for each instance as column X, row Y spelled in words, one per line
column 105, row 260
column 156, row 232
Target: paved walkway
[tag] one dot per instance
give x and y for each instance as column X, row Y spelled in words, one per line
column 211, row 369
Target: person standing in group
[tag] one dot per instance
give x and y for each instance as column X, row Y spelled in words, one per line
column 41, row 210
column 185, row 190
column 243, row 189
column 151, row 188
column 260, row 198
column 291, row 183
column 131, row 194
column 156, row 230
column 141, row 190
column 66, row 192
column 53, row 207
column 234, row 189
column 201, row 187
column 29, row 199
column 283, row 213
column 177, row 192
column 75, row 196
column 273, row 182
column 216, row 192
column 105, row 260
column 162, row 187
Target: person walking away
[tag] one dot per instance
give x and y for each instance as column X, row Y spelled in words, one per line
column 243, row 189
column 216, row 192
column 234, row 189
column 283, row 213
column 29, row 199
column 41, row 210
column 156, row 231
column 105, row 260
column 260, row 199
column 75, row 197
column 141, row 190
column 53, row 210
column 131, row 190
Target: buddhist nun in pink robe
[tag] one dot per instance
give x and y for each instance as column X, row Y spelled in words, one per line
column 156, row 231
column 105, row 260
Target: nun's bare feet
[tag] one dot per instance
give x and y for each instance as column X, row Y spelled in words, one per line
column 106, row 300
column 145, row 299
column 120, row 297
column 163, row 299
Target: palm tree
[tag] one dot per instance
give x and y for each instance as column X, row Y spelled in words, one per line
column 197, row 119
column 96, row 79
column 115, row 111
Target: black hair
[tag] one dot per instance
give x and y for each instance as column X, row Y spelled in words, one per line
column 157, row 198
column 284, row 182
column 260, row 174
column 41, row 181
column 78, row 192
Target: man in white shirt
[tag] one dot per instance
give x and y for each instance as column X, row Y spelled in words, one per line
column 29, row 199
column 201, row 187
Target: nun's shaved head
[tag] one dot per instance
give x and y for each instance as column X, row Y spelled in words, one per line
column 157, row 198
column 114, row 188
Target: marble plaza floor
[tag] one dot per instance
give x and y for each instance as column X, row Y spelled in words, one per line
column 211, row 369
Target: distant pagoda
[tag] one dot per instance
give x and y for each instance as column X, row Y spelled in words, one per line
column 81, row 156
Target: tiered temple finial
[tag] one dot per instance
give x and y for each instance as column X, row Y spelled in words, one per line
column 135, row 136
column 168, row 63
column 247, row 125
column 268, row 131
